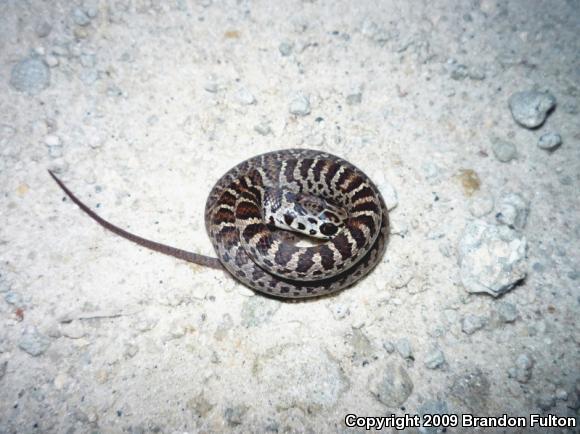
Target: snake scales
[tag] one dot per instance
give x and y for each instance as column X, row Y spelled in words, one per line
column 310, row 192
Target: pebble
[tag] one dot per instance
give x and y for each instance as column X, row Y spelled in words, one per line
column 354, row 96
column 404, row 348
column 362, row 349
column 565, row 180
column 395, row 386
column 80, row 17
column 445, row 248
column 91, row 9
column 33, row 342
column 211, row 86
column 457, row 71
column 471, row 323
column 562, row 395
column 550, row 141
column 13, row 298
column 476, row 74
column 435, row 359
column 469, row 181
column 340, row 311
column 300, row 106
column 513, row 210
column 523, row 368
column 114, row 90
column 492, row 259
column 388, row 347
column 43, row 29
column 52, row 140
column 73, row 330
column 130, row 350
column 285, row 48
column 263, row 128
column 481, row 204
column 51, row 61
column 530, row 108
column 503, row 150
column 30, row 75
column 60, row 51
column 507, row 312
column 234, row 416
column 431, row 172
column 244, row 97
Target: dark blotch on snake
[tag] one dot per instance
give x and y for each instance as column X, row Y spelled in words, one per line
column 328, row 229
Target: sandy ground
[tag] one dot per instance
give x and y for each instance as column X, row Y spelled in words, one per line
column 141, row 105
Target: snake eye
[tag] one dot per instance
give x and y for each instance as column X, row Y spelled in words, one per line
column 328, row 229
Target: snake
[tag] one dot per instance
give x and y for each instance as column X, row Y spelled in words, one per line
column 291, row 224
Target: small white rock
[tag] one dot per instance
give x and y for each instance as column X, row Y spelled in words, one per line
column 52, row 140
column 51, row 61
column 300, row 106
column 245, row 97
column 550, row 141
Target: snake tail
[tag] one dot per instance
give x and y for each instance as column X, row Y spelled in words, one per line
column 195, row 258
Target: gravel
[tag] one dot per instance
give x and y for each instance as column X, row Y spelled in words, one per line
column 354, row 96
column 492, row 259
column 507, row 312
column 244, row 97
column 285, row 48
column 300, row 106
column 504, row 151
column 550, row 141
column 33, row 342
column 13, row 298
column 394, row 387
column 234, row 416
column 30, row 76
column 531, row 107
column 388, row 347
column 404, row 348
column 472, row 323
column 80, row 17
column 513, row 210
column 43, row 29
column 263, row 128
column 434, row 359
column 522, row 370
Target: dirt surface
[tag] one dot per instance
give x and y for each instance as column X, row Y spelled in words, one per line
column 140, row 106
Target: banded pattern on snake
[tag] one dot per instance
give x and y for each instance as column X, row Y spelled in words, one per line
column 314, row 193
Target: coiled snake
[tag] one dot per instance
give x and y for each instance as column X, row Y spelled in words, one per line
column 310, row 192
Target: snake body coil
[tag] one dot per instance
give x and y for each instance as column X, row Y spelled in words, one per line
column 311, row 192
column 261, row 258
